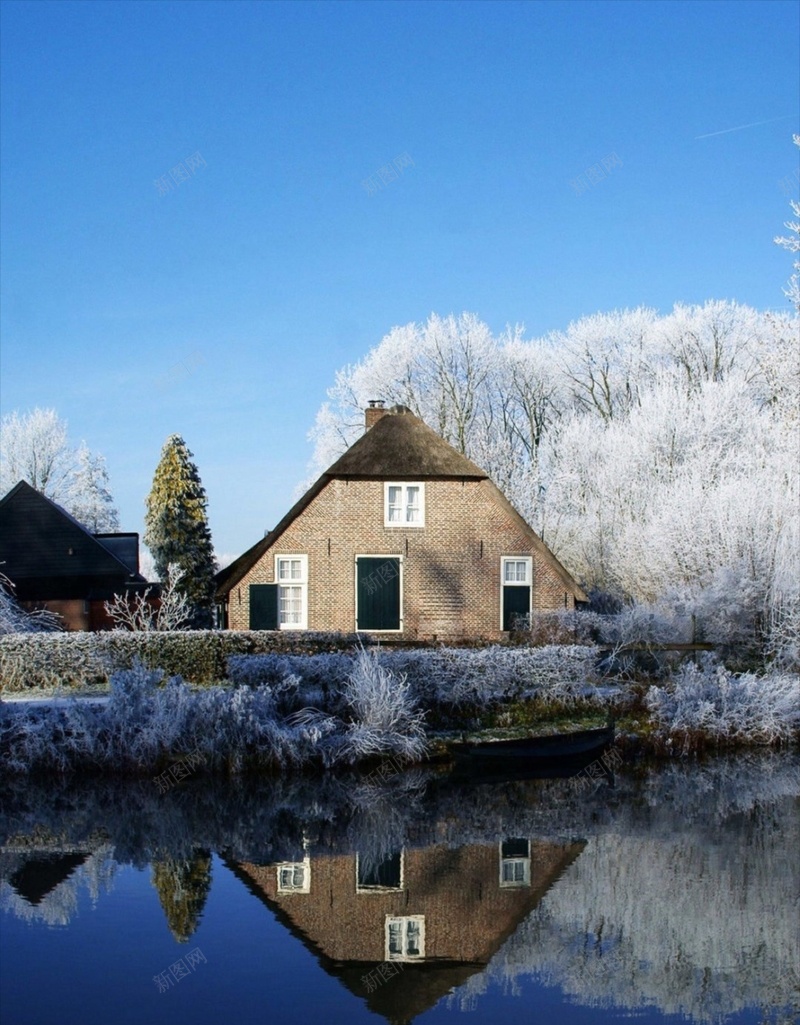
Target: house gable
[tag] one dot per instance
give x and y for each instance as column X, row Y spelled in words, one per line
column 47, row 553
column 442, row 564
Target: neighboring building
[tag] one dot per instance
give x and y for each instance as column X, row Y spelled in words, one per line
column 433, row 916
column 56, row 563
column 403, row 537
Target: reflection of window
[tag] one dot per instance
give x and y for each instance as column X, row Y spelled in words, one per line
column 294, row 877
column 515, row 862
column 404, row 505
column 291, row 574
column 386, row 874
column 405, row 938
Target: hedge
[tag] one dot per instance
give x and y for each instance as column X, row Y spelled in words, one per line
column 199, row 656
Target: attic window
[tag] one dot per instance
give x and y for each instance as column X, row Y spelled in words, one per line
column 294, row 876
column 404, row 504
column 405, row 938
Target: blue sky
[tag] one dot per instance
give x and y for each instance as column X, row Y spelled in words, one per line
column 219, row 302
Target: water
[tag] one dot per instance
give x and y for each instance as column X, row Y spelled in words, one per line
column 668, row 894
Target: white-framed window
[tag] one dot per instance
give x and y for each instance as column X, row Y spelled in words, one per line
column 403, row 504
column 516, row 571
column 405, row 938
column 291, row 576
column 294, row 876
column 379, row 876
column 515, row 863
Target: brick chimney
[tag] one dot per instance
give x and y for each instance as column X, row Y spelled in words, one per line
column 373, row 413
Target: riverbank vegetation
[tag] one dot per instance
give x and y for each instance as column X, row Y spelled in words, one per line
column 286, row 710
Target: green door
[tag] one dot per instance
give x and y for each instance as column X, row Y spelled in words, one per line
column 516, row 604
column 378, row 593
column 263, row 606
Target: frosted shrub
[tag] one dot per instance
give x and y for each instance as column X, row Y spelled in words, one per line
column 14, row 619
column 320, row 678
column 37, row 660
column 783, row 645
column 148, row 724
column 565, row 627
column 385, row 716
column 710, row 704
column 440, row 677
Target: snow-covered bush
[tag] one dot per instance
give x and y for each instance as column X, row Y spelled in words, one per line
column 15, row 619
column 709, row 705
column 451, row 677
column 385, row 715
column 783, row 643
column 172, row 609
column 148, row 723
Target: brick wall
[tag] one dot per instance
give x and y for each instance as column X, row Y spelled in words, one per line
column 467, row 913
column 450, row 567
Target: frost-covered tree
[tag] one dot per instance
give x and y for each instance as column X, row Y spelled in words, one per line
column 141, row 612
column 15, row 619
column 656, row 455
column 792, row 243
column 177, row 528
column 34, row 447
column 92, row 504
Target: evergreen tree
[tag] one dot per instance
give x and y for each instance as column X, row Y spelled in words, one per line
column 177, row 527
column 183, row 887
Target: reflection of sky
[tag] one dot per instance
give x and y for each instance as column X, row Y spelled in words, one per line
column 658, row 894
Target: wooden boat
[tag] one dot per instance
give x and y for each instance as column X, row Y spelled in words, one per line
column 554, row 747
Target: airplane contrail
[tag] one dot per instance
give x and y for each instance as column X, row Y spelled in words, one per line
column 754, row 124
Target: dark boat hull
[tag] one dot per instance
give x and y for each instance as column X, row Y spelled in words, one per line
column 555, row 748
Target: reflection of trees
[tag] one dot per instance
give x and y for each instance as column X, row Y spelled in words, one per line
column 684, row 897
column 57, row 907
column 182, row 887
column 698, row 925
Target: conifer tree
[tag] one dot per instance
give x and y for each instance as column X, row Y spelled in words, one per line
column 177, row 527
column 183, row 887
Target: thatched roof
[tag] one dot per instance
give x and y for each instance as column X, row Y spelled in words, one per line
column 398, row 447
column 401, row 446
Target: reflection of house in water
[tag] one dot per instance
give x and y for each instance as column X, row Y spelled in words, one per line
column 441, row 912
column 38, row 876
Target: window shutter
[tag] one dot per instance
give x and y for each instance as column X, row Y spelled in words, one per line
column 263, row 606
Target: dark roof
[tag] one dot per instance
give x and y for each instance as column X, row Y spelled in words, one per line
column 124, row 547
column 398, row 447
column 46, row 553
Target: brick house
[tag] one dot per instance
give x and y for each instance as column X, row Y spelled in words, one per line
column 439, row 913
column 54, row 562
column 403, row 537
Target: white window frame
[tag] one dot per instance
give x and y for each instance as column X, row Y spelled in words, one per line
column 514, row 884
column 382, row 889
column 378, row 555
column 301, row 582
column 404, row 505
column 528, row 560
column 293, row 866
column 404, row 920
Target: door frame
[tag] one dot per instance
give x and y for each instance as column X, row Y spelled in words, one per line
column 503, row 585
